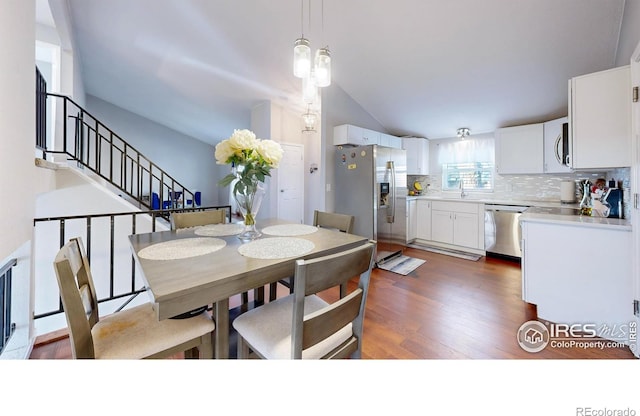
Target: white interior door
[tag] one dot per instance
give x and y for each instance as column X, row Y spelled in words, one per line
column 291, row 184
column 635, row 187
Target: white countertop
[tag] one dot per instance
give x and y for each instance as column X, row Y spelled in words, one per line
column 481, row 199
column 578, row 220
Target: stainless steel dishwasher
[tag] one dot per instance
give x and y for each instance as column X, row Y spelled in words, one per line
column 502, row 229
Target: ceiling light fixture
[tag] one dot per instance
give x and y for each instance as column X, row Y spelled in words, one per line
column 301, row 51
column 320, row 74
column 309, row 119
column 463, row 132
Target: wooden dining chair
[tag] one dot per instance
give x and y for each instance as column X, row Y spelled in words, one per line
column 330, row 220
column 339, row 222
column 128, row 334
column 193, row 219
column 303, row 325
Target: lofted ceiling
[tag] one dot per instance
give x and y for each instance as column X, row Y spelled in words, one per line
column 419, row 67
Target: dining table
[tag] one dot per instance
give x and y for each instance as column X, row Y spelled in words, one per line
column 184, row 270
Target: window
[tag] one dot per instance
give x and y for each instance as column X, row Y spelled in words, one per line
column 474, row 175
column 470, row 162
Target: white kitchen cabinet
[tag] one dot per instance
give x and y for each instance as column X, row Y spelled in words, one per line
column 600, row 119
column 520, row 149
column 387, row 140
column 442, row 226
column 347, row 134
column 412, row 220
column 553, row 146
column 465, row 229
column 417, row 155
column 423, row 221
column 562, row 275
column 456, row 223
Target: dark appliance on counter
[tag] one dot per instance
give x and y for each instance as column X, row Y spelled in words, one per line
column 613, row 198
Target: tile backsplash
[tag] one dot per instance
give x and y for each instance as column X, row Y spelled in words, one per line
column 543, row 187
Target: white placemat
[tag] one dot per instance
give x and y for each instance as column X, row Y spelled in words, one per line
column 289, row 230
column 276, row 248
column 182, row 249
column 219, row 230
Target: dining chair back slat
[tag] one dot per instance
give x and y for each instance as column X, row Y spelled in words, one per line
column 341, row 222
column 193, row 219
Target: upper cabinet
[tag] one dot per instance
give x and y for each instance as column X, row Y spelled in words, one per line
column 417, row 155
column 348, row 134
column 553, row 149
column 354, row 135
column 388, row 140
column 600, row 119
column 519, row 149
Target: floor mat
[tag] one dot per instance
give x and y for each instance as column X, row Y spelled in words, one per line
column 454, row 253
column 402, row 264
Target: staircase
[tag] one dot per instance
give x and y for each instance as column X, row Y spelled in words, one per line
column 93, row 146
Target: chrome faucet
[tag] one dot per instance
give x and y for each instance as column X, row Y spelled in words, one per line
column 462, row 192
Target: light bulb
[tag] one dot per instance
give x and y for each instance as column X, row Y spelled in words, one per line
column 309, row 89
column 323, row 67
column 301, row 58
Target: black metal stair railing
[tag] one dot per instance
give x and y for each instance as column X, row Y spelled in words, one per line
column 105, row 239
column 95, row 146
column 6, row 326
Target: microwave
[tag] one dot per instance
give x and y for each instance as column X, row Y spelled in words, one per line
column 562, row 146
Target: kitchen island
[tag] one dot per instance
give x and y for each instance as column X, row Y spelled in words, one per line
column 577, row 270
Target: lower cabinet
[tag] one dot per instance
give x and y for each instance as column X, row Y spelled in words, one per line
column 412, row 220
column 456, row 223
column 451, row 223
column 423, row 219
column 457, row 228
column 563, row 275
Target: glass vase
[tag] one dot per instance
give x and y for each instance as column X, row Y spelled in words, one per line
column 249, row 203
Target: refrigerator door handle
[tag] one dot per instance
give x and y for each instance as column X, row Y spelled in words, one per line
column 392, row 168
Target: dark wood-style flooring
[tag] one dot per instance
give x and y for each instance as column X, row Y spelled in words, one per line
column 449, row 308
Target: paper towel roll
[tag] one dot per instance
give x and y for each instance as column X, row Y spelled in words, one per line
column 567, row 192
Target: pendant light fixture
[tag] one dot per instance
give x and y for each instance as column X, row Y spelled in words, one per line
column 301, row 51
column 323, row 67
column 309, row 120
column 320, row 75
column 322, row 62
column 309, row 89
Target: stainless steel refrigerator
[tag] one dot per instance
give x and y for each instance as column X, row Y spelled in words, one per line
column 371, row 184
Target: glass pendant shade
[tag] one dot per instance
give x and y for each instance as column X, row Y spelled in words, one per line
column 301, row 58
column 322, row 67
column 309, row 89
column 309, row 120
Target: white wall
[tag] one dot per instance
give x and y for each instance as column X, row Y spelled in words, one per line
column 190, row 161
column 17, row 169
column 17, row 115
column 629, row 32
column 283, row 125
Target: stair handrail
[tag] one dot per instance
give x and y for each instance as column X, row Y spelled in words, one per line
column 131, row 159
